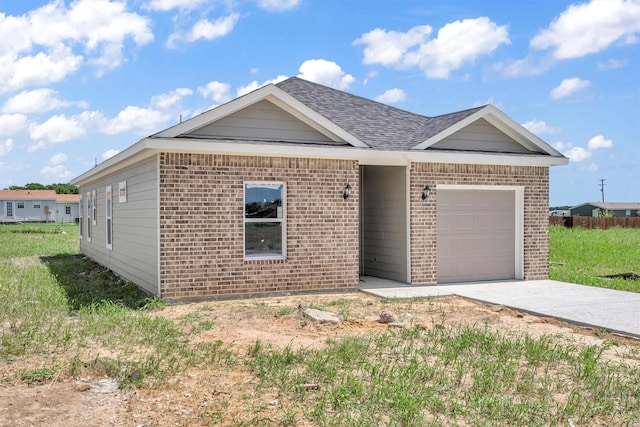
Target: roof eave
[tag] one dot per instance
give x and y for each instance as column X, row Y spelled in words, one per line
column 150, row 146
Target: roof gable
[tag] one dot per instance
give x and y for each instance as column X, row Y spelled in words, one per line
column 480, row 136
column 274, row 95
column 500, row 121
column 264, row 121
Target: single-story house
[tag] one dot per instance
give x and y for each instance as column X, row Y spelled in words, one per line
column 38, row 206
column 298, row 187
column 617, row 209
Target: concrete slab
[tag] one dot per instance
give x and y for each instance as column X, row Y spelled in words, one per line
column 615, row 311
column 385, row 288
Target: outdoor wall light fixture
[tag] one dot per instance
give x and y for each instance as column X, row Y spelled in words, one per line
column 425, row 192
column 347, row 192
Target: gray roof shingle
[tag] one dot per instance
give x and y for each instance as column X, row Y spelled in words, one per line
column 377, row 125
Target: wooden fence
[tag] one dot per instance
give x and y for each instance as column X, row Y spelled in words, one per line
column 595, row 222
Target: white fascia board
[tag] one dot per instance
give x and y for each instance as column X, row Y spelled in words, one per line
column 365, row 156
column 132, row 154
column 502, row 122
column 274, row 95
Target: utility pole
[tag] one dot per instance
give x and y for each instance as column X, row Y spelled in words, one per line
column 602, row 184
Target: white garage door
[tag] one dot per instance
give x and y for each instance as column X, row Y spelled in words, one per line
column 475, row 235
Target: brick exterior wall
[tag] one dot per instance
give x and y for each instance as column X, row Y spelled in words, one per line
column 423, row 214
column 201, row 226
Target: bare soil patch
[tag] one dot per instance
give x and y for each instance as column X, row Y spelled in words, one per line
column 209, row 396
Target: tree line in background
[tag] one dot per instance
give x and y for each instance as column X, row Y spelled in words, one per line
column 59, row 188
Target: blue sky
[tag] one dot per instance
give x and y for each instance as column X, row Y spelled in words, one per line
column 82, row 80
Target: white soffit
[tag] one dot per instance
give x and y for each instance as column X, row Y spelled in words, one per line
column 276, row 96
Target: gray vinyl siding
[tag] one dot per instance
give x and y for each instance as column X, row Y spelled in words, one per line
column 135, row 225
column 262, row 121
column 61, row 215
column 29, row 213
column 384, row 222
column 480, row 136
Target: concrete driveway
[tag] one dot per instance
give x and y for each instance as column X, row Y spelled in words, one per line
column 615, row 311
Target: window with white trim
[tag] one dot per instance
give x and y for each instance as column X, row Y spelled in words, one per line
column 109, row 216
column 89, row 216
column 264, row 220
column 20, row 205
column 94, row 205
column 36, row 205
column 67, row 210
column 80, row 218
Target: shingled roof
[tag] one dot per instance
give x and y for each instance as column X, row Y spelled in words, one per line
column 376, row 124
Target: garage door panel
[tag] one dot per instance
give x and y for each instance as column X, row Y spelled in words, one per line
column 475, row 235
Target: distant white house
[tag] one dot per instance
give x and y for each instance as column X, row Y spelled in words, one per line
column 38, row 206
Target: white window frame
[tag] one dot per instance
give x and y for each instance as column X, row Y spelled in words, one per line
column 19, row 205
column 80, row 217
column 37, row 205
column 89, row 203
column 108, row 198
column 94, row 206
column 282, row 220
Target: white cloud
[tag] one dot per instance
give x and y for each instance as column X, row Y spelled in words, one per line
column 540, row 127
column 39, row 69
column 56, row 129
column 217, row 91
column 589, row 28
column 456, row 44
column 599, row 141
column 611, row 64
column 277, row 5
column 568, row 87
column 205, row 29
column 37, row 101
column 579, row 154
column 167, row 5
column 243, row 90
column 6, row 146
column 57, row 159
column 170, row 99
column 58, row 172
column 37, row 47
column 388, row 48
column 11, row 124
column 325, row 72
column 109, row 153
column 591, row 167
column 529, row 66
column 136, row 119
column 392, row 96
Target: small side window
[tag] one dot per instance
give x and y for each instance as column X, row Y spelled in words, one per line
column 94, row 205
column 89, row 203
column 81, row 219
column 109, row 216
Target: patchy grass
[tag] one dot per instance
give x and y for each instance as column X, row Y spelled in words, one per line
column 443, row 376
column 579, row 255
column 64, row 316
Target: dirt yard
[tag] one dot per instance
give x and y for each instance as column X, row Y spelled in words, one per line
column 192, row 397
